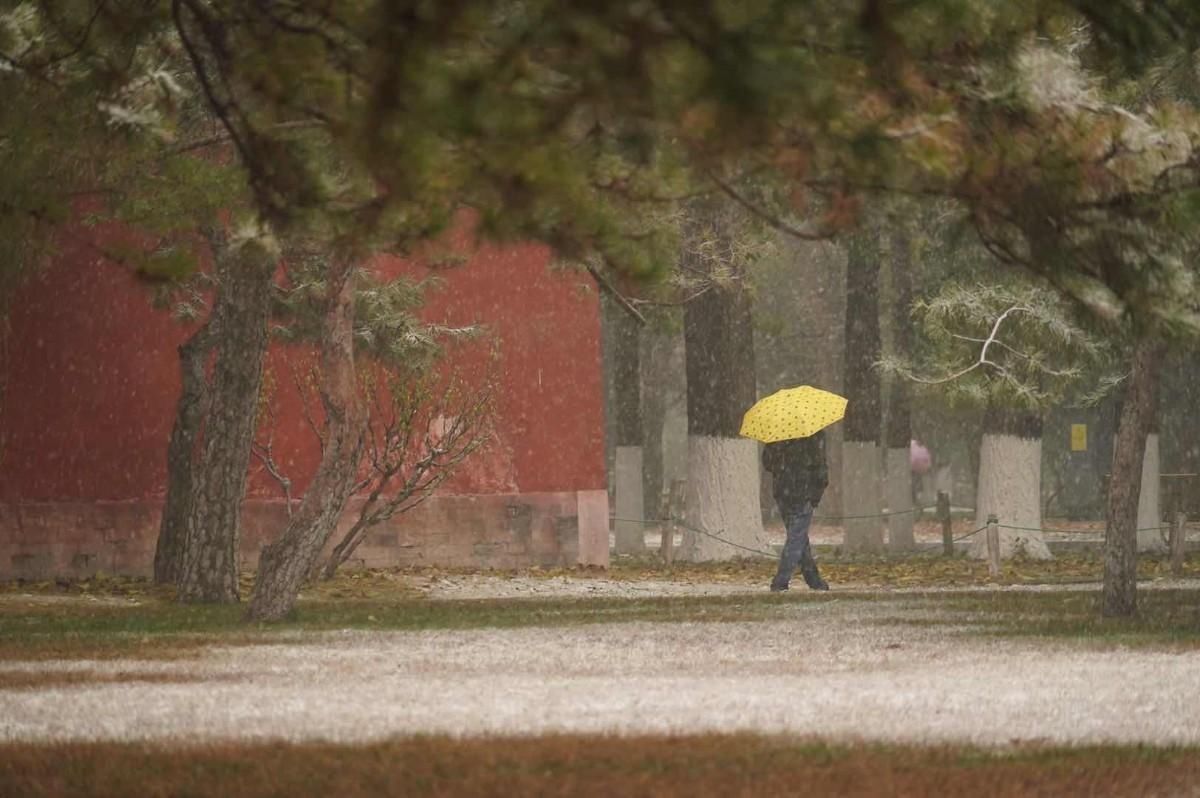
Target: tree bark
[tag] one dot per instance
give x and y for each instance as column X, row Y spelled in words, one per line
column 285, row 564
column 1120, row 532
column 861, row 483
column 182, row 451
column 1150, row 532
column 628, row 465
column 654, row 406
column 241, row 311
column 1010, row 483
column 719, row 357
column 723, row 470
column 899, row 415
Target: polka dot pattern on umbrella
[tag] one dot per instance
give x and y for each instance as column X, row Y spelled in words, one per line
column 792, row 413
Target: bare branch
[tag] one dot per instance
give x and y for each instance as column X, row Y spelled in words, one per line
column 265, row 455
column 305, row 405
column 766, row 216
column 983, row 353
column 607, row 287
column 421, row 430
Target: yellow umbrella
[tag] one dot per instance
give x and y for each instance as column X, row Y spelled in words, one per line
column 792, row 413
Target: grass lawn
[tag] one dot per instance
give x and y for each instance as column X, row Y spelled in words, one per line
column 107, row 618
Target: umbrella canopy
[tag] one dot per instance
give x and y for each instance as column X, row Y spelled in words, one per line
column 792, row 413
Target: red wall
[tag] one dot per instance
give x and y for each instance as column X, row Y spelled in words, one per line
column 89, row 379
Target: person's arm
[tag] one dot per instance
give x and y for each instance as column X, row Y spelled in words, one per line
column 770, row 459
column 821, row 462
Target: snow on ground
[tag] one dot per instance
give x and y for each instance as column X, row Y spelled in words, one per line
column 842, row 669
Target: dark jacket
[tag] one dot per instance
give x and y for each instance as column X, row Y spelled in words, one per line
column 799, row 470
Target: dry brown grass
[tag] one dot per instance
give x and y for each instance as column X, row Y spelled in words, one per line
column 918, row 570
column 46, row 680
column 583, row 766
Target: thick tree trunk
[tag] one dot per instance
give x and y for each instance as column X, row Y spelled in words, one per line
column 1124, row 488
column 899, row 424
column 723, row 469
column 1010, row 483
column 627, row 377
column 861, row 463
column 241, row 310
column 722, row 500
column 182, row 451
column 286, row 563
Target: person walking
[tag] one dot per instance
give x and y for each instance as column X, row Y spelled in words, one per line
column 800, row 475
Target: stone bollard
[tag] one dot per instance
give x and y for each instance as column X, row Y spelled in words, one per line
column 675, row 510
column 1178, row 543
column 993, row 546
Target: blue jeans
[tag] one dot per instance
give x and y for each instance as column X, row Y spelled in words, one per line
column 797, row 552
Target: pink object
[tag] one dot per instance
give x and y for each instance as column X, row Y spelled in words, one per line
column 919, row 458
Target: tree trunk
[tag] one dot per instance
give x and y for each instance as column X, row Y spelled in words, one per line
column 627, row 378
column 899, row 424
column 1010, row 483
column 723, row 470
column 655, row 356
column 182, row 453
column 1150, row 534
column 860, row 449
column 241, row 312
column 1124, row 487
column 286, row 563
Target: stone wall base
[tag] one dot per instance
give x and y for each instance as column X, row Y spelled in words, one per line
column 77, row 540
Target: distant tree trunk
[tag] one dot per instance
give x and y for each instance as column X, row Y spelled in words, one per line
column 182, row 451
column 860, row 449
column 723, row 469
column 1010, row 483
column 628, row 465
column 241, row 311
column 285, row 564
column 899, row 424
column 654, row 415
column 1150, row 535
column 1124, row 488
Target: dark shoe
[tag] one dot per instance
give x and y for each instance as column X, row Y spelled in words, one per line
column 820, row 584
column 778, row 589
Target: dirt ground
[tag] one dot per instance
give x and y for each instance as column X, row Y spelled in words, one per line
column 841, row 669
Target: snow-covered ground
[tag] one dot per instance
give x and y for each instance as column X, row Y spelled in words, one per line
column 842, row 669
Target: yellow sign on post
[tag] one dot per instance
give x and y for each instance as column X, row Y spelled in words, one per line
column 1079, row 437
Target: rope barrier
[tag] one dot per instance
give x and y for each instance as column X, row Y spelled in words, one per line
column 676, row 522
column 829, row 517
column 1074, row 531
column 772, row 555
column 969, row 534
column 879, row 515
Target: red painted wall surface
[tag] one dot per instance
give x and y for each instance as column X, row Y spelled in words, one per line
column 89, row 379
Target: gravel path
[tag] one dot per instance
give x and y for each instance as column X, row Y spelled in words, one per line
column 840, row 669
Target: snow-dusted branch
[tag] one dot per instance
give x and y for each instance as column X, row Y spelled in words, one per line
column 983, row 351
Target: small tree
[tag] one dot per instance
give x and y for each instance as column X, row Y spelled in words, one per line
column 422, row 428
column 420, row 422
column 1014, row 350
